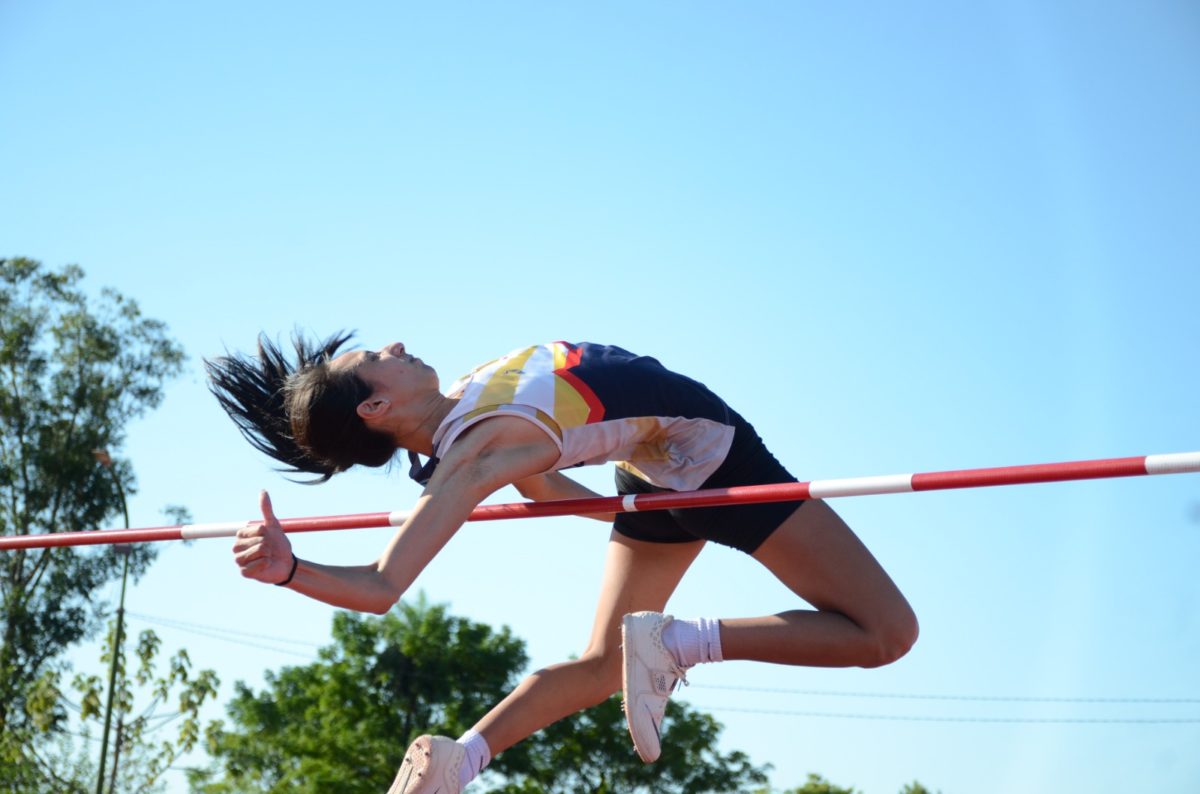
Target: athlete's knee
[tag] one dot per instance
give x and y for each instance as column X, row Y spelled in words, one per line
column 893, row 639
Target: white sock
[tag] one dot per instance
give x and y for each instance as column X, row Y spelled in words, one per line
column 477, row 758
column 693, row 641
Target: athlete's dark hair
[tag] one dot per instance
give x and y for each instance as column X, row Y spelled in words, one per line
column 303, row 414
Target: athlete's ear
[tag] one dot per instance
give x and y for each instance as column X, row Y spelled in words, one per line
column 372, row 408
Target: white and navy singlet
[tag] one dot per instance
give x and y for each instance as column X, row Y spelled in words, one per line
column 601, row 403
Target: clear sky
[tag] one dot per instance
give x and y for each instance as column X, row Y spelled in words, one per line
column 897, row 237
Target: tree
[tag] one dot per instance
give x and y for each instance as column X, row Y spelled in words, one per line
column 74, row 373
column 143, row 759
column 341, row 724
column 819, row 785
column 146, row 703
column 591, row 752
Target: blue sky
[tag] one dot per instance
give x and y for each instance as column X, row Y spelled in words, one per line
column 897, row 238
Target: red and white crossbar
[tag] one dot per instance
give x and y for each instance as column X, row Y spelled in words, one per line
column 1178, row 463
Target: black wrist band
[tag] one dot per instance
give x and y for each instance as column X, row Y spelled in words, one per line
column 295, row 562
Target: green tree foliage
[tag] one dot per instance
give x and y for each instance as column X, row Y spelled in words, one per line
column 156, row 720
column 341, row 724
column 819, row 785
column 73, row 373
column 146, row 704
column 591, row 752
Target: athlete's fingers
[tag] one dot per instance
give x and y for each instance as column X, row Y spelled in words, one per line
column 264, row 504
column 254, row 569
column 249, row 554
column 251, row 533
column 252, row 529
column 261, row 549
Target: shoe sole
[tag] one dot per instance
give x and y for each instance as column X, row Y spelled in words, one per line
column 416, row 762
column 626, row 664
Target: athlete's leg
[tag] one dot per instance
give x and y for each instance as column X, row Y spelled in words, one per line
column 861, row 618
column 638, row 575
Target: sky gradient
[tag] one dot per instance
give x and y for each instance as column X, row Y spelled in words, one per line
column 896, row 238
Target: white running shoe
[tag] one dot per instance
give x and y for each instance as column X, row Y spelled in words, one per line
column 649, row 673
column 430, row 766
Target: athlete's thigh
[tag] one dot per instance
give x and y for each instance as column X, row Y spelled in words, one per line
column 638, row 575
column 820, row 559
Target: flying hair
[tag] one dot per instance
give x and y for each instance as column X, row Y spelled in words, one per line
column 302, row 413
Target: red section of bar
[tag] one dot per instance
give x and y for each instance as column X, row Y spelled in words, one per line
column 323, row 523
column 95, row 538
column 745, row 494
column 1024, row 475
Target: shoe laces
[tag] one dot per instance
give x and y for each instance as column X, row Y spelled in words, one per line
column 680, row 674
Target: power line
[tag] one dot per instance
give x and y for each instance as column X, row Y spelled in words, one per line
column 238, row 637
column 228, row 635
column 958, row 698
column 173, row 623
column 982, row 720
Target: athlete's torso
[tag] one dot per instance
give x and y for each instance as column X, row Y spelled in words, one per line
column 600, row 403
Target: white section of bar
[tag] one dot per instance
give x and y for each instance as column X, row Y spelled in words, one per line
column 1177, row 463
column 226, row 529
column 629, row 503
column 398, row 517
column 861, row 486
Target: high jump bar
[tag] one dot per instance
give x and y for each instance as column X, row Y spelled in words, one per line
column 1176, row 463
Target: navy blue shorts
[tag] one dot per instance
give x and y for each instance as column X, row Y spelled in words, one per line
column 743, row 527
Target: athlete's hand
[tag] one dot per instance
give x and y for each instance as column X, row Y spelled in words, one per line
column 262, row 550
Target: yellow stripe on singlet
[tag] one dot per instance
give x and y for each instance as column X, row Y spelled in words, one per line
column 569, row 406
column 501, row 388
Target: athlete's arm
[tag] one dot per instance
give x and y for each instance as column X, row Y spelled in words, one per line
column 554, row 485
column 495, row 452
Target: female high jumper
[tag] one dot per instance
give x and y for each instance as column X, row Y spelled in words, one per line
column 519, row 420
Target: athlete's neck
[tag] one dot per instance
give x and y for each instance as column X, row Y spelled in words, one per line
column 420, row 438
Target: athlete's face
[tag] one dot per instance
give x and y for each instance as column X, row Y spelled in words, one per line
column 391, row 371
